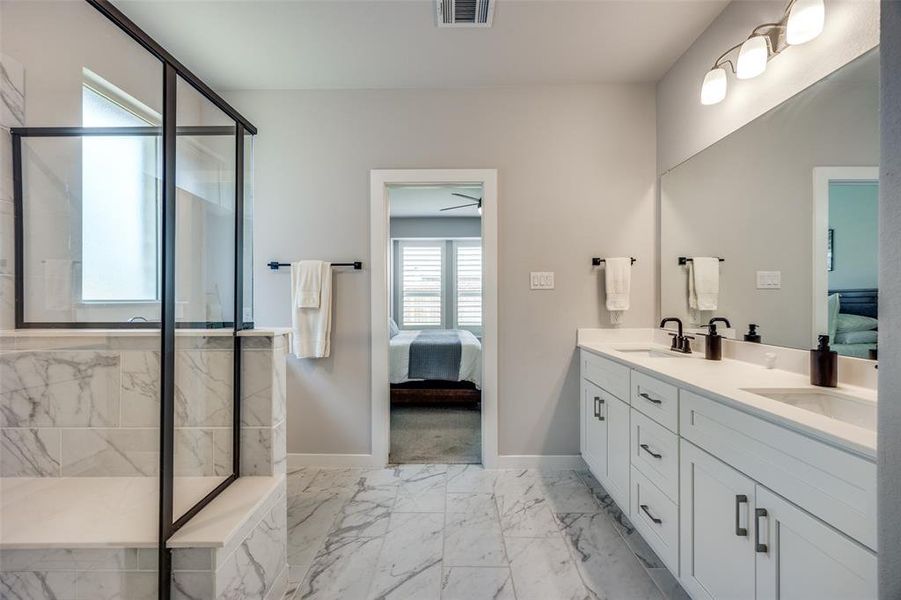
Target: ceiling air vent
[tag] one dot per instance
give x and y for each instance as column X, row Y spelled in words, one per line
column 465, row 13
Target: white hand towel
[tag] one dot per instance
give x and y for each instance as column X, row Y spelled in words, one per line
column 306, row 283
column 703, row 283
column 58, row 284
column 618, row 280
column 312, row 327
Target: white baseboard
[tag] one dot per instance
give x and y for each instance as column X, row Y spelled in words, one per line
column 548, row 462
column 297, row 461
column 504, row 461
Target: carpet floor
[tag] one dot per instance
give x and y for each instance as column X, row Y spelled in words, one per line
column 435, row 434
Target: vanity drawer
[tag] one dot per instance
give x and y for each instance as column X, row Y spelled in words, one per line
column 835, row 486
column 656, row 518
column 606, row 374
column 655, row 452
column 656, row 399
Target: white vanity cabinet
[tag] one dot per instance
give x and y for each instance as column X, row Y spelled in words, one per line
column 605, row 424
column 735, row 505
column 717, row 526
column 741, row 540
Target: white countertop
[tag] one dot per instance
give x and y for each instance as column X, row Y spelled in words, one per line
column 723, row 380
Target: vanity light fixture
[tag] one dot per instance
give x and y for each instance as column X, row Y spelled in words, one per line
column 801, row 22
column 805, row 21
column 752, row 57
column 714, row 89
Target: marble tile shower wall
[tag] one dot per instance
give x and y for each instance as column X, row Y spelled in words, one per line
column 80, row 407
column 12, row 114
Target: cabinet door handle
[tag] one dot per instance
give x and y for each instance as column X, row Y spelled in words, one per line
column 758, row 513
column 739, row 530
column 644, row 507
column 649, row 451
column 600, row 402
column 597, row 408
column 650, row 399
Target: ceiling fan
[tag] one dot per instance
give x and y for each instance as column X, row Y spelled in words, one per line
column 475, row 202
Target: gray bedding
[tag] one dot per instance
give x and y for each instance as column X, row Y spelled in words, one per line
column 436, row 355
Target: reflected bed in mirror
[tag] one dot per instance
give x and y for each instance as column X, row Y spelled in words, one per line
column 790, row 200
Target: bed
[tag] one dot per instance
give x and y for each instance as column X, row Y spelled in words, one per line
column 435, row 366
column 860, row 307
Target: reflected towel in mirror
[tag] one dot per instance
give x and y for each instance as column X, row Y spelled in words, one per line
column 703, row 283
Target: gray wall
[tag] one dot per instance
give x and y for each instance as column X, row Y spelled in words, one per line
column 755, row 186
column 854, row 218
column 436, row 227
column 685, row 127
column 576, row 175
column 889, row 434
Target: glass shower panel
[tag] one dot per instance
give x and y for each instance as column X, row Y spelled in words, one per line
column 91, row 188
column 90, row 223
column 204, row 297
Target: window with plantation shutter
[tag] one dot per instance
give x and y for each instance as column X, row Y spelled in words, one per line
column 421, row 284
column 468, row 285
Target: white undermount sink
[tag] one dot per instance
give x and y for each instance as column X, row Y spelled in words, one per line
column 652, row 352
column 826, row 402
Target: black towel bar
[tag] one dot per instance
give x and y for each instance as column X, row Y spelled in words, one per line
column 597, row 261
column 357, row 265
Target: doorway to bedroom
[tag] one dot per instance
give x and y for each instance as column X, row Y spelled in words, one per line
column 435, row 322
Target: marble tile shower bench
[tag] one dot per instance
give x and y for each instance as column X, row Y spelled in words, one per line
column 79, row 456
column 96, row 537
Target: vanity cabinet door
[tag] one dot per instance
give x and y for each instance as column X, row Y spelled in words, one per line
column 799, row 556
column 717, row 528
column 594, row 426
column 618, row 451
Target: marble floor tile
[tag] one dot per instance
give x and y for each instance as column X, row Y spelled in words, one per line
column 459, row 531
column 334, row 480
column 470, row 478
column 607, row 503
column 421, row 489
column 542, row 568
column 607, row 565
column 366, row 513
column 524, row 510
column 409, row 565
column 342, row 570
column 668, row 584
column 470, row 502
column 311, row 516
column 477, row 583
column 299, row 479
column 473, row 540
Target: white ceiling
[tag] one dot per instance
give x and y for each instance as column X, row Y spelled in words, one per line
column 427, row 201
column 357, row 44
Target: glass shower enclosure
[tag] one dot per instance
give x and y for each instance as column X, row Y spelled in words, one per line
column 132, row 212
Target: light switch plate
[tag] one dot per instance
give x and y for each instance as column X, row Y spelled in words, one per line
column 769, row 280
column 541, row 280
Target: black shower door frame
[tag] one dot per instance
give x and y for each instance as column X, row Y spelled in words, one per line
column 172, row 70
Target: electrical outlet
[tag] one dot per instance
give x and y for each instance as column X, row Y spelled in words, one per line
column 542, row 280
column 769, row 280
